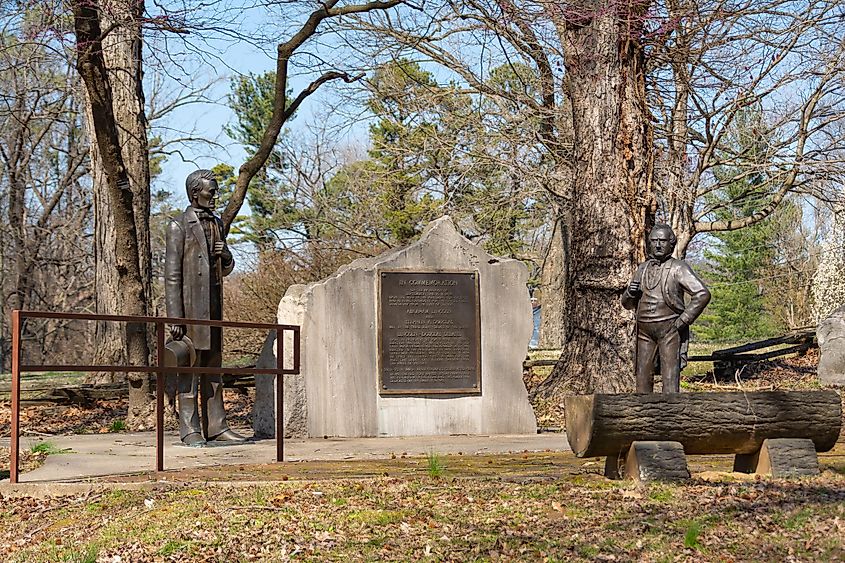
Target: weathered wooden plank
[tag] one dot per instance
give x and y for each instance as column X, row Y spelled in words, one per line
column 705, row 423
column 792, row 338
column 748, row 358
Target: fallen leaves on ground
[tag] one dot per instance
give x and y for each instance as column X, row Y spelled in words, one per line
column 45, row 419
column 100, row 416
column 29, row 460
column 577, row 517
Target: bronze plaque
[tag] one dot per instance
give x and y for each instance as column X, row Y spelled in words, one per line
column 429, row 333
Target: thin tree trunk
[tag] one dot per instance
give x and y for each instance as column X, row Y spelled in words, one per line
column 17, row 206
column 611, row 205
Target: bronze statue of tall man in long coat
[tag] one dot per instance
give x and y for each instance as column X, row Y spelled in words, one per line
column 662, row 315
column 196, row 260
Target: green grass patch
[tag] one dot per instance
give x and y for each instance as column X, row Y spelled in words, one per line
column 172, row 547
column 797, row 520
column 692, row 534
column 587, row 551
column 88, row 555
column 435, row 465
column 376, row 517
column 118, row 426
column 661, row 494
column 48, row 448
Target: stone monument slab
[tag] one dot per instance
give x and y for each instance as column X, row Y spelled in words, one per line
column 831, row 337
column 341, row 388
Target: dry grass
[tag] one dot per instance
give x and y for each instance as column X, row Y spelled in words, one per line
column 524, row 507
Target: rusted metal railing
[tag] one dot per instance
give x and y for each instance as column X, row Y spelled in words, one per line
column 159, row 369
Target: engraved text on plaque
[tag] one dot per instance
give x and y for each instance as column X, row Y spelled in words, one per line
column 429, row 333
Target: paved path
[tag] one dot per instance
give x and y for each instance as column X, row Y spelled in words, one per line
column 91, row 455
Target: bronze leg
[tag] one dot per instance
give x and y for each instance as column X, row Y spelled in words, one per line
column 215, row 427
column 211, row 392
column 189, row 416
column 670, row 361
column 646, row 348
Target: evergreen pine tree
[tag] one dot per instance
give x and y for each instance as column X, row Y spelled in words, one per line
column 737, row 259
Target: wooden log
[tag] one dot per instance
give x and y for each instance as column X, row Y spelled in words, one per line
column 705, row 423
column 787, row 457
column 804, row 336
column 656, row 461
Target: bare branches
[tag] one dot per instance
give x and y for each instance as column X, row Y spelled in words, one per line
column 714, row 66
column 281, row 113
column 43, row 158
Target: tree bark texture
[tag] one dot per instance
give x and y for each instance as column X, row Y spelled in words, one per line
column 17, row 193
column 553, row 290
column 787, row 457
column 611, row 203
column 110, row 67
column 656, row 461
column 705, row 423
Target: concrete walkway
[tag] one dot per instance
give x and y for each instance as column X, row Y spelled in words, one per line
column 94, row 455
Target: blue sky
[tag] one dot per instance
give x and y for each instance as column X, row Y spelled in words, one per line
column 217, row 56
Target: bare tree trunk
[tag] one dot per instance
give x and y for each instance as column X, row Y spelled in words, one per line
column 553, row 288
column 112, row 72
column 611, row 201
column 13, row 160
column 679, row 195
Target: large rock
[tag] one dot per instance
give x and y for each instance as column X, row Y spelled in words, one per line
column 831, row 337
column 264, row 416
column 337, row 392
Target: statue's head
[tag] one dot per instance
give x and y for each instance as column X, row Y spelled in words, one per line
column 661, row 242
column 201, row 186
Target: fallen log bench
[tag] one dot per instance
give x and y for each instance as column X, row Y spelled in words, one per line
column 643, row 434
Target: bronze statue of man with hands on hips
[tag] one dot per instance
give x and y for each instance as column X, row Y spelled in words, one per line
column 196, row 260
column 657, row 295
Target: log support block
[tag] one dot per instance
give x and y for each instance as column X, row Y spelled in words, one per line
column 656, row 461
column 746, row 463
column 781, row 458
column 614, row 466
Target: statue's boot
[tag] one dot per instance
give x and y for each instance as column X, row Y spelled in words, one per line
column 190, row 431
column 214, row 415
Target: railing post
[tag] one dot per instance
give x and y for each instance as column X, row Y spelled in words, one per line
column 14, row 444
column 280, row 395
column 296, row 350
column 160, row 382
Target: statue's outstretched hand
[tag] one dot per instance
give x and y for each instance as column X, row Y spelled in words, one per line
column 177, row 331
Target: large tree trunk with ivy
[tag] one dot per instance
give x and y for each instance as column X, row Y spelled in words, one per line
column 111, row 68
column 609, row 200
